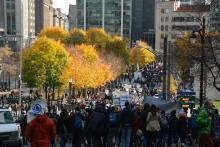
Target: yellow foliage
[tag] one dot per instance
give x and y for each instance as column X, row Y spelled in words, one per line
column 88, row 52
column 86, row 73
column 97, row 37
column 55, row 33
column 172, row 86
column 77, row 36
column 141, row 54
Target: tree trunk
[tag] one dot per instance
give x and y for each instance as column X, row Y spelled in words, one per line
column 46, row 93
column 53, row 93
column 58, row 91
column 84, row 93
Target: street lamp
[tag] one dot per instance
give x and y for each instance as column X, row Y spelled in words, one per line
column 193, row 36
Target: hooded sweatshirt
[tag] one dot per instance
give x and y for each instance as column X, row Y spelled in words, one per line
column 40, row 131
column 204, row 120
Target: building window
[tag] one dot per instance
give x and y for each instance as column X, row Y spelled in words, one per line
column 162, row 19
column 162, row 28
column 166, row 19
column 166, row 28
column 161, row 36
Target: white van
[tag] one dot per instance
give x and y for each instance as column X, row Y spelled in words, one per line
column 9, row 130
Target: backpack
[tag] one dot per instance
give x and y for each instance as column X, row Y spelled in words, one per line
column 78, row 123
column 216, row 128
column 164, row 123
column 112, row 118
column 194, row 124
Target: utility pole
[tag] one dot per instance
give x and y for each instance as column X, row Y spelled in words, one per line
column 202, row 61
column 169, row 70
column 164, row 67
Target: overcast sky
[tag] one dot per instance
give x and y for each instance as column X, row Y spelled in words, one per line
column 63, row 4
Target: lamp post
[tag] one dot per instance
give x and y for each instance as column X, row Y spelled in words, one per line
column 201, row 32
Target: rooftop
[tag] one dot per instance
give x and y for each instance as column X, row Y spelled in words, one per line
column 193, row 8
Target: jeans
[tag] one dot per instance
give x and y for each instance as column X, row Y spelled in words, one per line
column 173, row 138
column 63, row 141
column 125, row 136
column 113, row 136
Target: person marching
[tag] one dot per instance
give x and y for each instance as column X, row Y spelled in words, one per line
column 40, row 131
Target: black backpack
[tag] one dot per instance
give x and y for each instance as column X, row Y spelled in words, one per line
column 78, row 122
column 113, row 118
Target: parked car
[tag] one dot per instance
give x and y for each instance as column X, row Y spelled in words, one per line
column 9, row 130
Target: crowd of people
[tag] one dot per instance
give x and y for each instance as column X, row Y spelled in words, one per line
column 133, row 126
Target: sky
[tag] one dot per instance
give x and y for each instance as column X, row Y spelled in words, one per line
column 63, row 4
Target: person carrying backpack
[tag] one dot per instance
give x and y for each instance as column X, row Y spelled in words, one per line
column 126, row 122
column 78, row 125
column 216, row 128
column 173, row 129
column 113, row 127
column 194, row 127
column 164, row 128
column 62, row 127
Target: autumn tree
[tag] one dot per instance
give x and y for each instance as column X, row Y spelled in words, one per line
column 55, row 33
column 77, row 37
column 8, row 64
column 188, row 55
column 117, row 46
column 98, row 38
column 141, row 54
column 172, row 86
column 86, row 68
column 43, row 63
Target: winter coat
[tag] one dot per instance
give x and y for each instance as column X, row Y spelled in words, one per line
column 204, row 120
column 137, row 122
column 126, row 117
column 153, row 122
column 40, row 131
column 96, row 123
column 173, row 124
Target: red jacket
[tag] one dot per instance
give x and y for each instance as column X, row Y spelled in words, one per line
column 41, row 131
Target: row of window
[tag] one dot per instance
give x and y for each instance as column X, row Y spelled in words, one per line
column 180, row 19
column 179, row 28
column 165, row 10
column 185, row 19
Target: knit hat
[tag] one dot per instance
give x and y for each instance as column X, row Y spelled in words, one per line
column 38, row 107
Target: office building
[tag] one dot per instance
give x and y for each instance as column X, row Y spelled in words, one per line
column 17, row 25
column 60, row 19
column 215, row 16
column 143, row 21
column 173, row 20
column 114, row 16
column 72, row 16
column 43, row 15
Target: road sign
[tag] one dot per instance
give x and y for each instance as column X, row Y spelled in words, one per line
column 186, row 98
column 186, row 93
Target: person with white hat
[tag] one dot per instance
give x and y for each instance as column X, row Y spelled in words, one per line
column 41, row 131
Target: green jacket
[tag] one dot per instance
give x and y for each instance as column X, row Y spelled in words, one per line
column 204, row 121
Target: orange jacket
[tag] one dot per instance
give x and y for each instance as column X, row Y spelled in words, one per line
column 41, row 131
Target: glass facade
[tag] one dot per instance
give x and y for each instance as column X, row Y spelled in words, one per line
column 215, row 15
column 10, row 17
column 111, row 21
